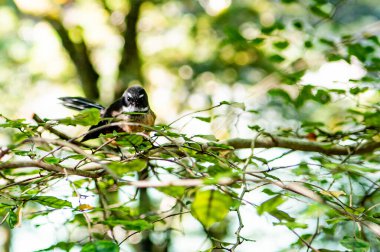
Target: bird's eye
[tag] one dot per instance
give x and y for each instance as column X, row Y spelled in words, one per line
column 129, row 97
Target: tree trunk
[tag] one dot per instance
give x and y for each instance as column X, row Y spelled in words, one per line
column 130, row 65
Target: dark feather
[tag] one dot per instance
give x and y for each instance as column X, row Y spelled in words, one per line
column 114, row 108
column 79, row 103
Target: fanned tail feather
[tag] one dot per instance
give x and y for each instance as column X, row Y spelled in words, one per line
column 79, row 103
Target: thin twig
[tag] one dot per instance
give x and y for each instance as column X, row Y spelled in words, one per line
column 304, row 242
column 314, row 235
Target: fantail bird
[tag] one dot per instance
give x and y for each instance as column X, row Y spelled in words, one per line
column 132, row 108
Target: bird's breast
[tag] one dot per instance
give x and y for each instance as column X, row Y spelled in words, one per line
column 136, row 123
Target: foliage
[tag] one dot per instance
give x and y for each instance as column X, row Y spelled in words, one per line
column 320, row 180
column 208, row 178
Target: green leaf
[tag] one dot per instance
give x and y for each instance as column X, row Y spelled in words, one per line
column 322, row 96
column 12, row 219
column 281, row 215
column 257, row 41
column 51, row 201
column 210, row 206
column 225, row 103
column 338, row 91
column 256, row 128
column 291, row 225
column 337, row 220
column 76, row 156
column 298, row 24
column 174, row 191
column 16, row 124
column 372, row 119
column 24, row 153
column 277, row 92
column 304, row 95
column 281, row 44
column 355, row 244
column 138, row 225
column 276, row 58
column 121, row 168
column 204, row 119
column 308, row 44
column 302, row 169
column 316, row 10
column 170, row 134
column 293, row 78
column 269, row 192
column 7, row 202
column 52, row 160
column 333, row 57
column 4, row 207
column 218, row 177
column 18, row 137
column 374, row 39
column 270, row 205
column 315, row 210
column 221, row 170
column 360, row 51
column 294, row 225
column 130, row 140
column 65, row 246
column 87, row 117
column 357, row 90
column 276, row 26
column 100, row 246
column 239, row 105
column 327, row 42
column 207, row 137
column 267, row 175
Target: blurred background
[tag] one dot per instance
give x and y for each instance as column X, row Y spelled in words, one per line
column 189, row 55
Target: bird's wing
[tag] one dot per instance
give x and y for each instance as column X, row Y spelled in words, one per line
column 112, row 111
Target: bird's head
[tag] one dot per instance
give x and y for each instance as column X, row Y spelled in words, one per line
column 135, row 100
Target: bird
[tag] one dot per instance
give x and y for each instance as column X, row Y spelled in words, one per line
column 132, row 108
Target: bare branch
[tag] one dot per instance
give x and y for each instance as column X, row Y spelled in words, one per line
column 178, row 182
column 49, row 167
column 302, row 145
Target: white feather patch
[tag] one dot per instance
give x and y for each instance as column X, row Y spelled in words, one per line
column 131, row 109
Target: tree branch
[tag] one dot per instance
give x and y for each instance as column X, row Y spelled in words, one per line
column 78, row 53
column 48, row 167
column 302, row 145
column 58, row 133
column 178, row 182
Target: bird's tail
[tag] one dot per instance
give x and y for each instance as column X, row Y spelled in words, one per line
column 79, row 103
